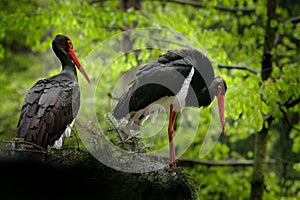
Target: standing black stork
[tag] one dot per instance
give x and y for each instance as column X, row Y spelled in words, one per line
column 51, row 105
column 178, row 79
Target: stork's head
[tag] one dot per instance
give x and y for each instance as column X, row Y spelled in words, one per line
column 63, row 48
column 218, row 86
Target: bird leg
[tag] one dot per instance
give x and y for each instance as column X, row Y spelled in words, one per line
column 62, row 152
column 171, row 137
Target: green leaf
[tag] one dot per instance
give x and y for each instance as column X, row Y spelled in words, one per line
column 264, row 108
column 273, row 23
column 259, row 121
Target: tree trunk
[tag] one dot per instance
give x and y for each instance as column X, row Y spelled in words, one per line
column 125, row 4
column 260, row 149
column 269, row 41
column 127, row 42
column 261, row 138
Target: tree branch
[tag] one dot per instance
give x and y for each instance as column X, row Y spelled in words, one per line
column 217, row 7
column 210, row 163
column 287, row 120
column 292, row 102
column 239, row 67
column 17, row 141
column 293, row 20
column 161, row 40
column 175, row 33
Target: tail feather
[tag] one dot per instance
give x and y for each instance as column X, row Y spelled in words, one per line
column 40, row 133
column 122, row 108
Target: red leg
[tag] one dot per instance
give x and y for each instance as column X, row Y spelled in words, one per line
column 62, row 151
column 171, row 136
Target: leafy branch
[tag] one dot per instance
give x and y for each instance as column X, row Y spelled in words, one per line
column 293, row 20
column 128, row 135
column 229, row 67
column 217, row 7
column 287, row 120
column 292, row 102
column 113, row 125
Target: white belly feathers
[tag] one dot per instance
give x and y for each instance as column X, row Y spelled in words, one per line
column 163, row 104
column 67, row 133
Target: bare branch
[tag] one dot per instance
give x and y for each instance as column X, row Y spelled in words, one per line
column 209, row 163
column 238, row 67
column 287, row 120
column 179, row 36
column 97, row 1
column 288, row 162
column 15, row 140
column 292, row 102
column 293, row 20
column 115, row 28
column 175, row 33
column 218, row 7
column 161, row 40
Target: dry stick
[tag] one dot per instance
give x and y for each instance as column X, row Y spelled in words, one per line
column 25, row 142
column 72, row 150
column 26, row 150
column 60, row 158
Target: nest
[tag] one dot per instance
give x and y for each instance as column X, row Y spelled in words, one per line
column 75, row 173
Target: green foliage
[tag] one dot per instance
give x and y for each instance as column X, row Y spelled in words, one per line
column 230, row 38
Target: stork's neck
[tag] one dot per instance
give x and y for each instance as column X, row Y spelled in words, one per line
column 212, row 90
column 67, row 65
column 70, row 70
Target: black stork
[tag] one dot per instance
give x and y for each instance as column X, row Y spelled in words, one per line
column 51, row 105
column 177, row 79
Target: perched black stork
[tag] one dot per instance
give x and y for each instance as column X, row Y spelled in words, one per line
column 51, row 105
column 178, row 79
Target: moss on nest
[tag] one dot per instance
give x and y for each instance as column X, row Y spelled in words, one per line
column 78, row 175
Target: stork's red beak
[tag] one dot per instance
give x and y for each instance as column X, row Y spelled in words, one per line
column 77, row 63
column 220, row 98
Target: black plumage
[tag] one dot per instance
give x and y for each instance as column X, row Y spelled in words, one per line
column 165, row 77
column 177, row 79
column 52, row 103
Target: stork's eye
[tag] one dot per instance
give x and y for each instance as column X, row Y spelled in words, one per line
column 219, row 89
column 70, row 44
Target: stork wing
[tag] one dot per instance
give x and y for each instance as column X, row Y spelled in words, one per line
column 49, row 106
column 165, row 77
column 154, row 81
